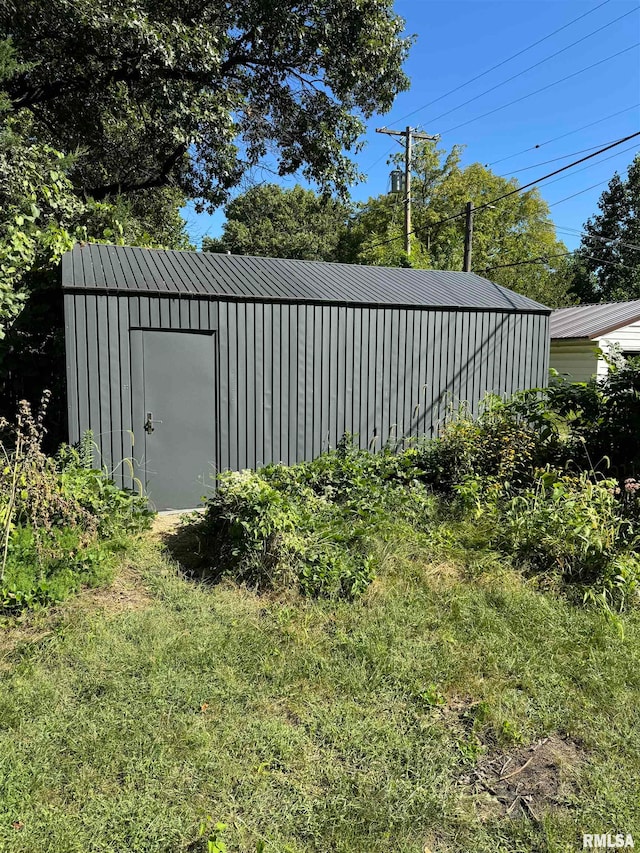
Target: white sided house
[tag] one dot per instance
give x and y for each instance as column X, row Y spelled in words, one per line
column 582, row 335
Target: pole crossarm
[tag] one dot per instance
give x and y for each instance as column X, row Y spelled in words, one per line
column 417, row 134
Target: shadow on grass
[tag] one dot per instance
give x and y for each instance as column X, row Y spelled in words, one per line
column 187, row 542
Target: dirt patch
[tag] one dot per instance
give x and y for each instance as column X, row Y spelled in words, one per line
column 126, row 592
column 167, row 523
column 529, row 781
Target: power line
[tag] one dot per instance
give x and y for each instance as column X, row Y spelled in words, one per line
column 580, row 192
column 544, row 259
column 381, row 157
column 503, row 62
column 562, row 136
column 553, row 160
column 608, row 263
column 561, row 169
column 584, row 235
column 541, row 259
column 555, row 139
column 591, row 165
column 519, row 189
column 577, row 232
column 542, row 89
column 535, row 65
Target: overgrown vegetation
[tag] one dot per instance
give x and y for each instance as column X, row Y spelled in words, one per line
column 61, row 518
column 520, row 481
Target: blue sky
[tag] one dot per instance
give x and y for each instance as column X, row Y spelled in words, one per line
column 458, row 40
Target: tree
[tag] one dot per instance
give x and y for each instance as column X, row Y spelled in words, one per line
column 41, row 216
column 194, row 93
column 278, row 223
column 42, row 213
column 607, row 264
column 515, row 230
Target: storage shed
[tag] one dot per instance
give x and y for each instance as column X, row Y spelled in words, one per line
column 582, row 334
column 189, row 363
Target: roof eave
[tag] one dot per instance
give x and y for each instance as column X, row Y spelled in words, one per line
column 236, row 297
column 627, row 322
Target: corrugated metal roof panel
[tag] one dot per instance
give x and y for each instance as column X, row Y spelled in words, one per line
column 124, row 268
column 592, row 321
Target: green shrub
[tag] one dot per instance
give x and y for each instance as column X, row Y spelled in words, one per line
column 276, row 537
column 312, row 525
column 60, row 520
column 573, row 526
column 589, row 426
column 115, row 511
column 603, row 416
column 506, row 443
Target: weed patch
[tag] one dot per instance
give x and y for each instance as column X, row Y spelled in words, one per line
column 504, row 487
column 62, row 521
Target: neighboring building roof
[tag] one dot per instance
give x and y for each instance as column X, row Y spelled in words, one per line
column 114, row 269
column 592, row 321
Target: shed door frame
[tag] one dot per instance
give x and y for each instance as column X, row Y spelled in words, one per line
column 137, row 390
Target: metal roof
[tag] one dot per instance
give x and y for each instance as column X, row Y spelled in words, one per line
column 592, row 321
column 118, row 269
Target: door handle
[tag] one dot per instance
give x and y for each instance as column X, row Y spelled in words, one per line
column 149, row 423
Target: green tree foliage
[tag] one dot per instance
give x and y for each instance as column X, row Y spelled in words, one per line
column 279, row 223
column 38, row 208
column 42, row 211
column 606, row 271
column 517, row 229
column 41, row 216
column 113, row 112
column 193, row 93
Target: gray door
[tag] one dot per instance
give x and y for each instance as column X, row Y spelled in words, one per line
column 175, row 413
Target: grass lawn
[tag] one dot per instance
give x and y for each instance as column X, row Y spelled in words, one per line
column 128, row 716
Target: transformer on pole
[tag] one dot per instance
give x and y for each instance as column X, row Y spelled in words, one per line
column 409, row 135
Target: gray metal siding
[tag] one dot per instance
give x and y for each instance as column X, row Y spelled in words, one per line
column 293, row 378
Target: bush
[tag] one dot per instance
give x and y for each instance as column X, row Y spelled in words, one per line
column 114, row 511
column 274, row 537
column 312, row 525
column 570, row 526
column 523, row 469
column 504, row 444
column 603, row 417
column 564, row 523
column 60, row 518
column 589, row 426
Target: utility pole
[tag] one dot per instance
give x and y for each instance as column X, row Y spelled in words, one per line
column 409, row 134
column 468, row 236
column 407, row 191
